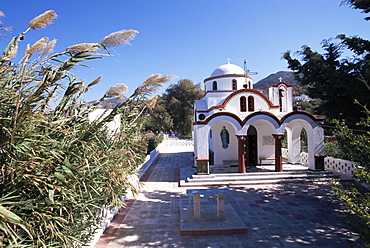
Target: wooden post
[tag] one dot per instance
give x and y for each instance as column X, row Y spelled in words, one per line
column 278, row 157
column 241, row 157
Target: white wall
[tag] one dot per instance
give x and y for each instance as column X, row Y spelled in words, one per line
column 230, row 153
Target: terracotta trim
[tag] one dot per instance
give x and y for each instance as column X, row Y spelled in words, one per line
column 202, row 160
column 262, row 113
column 250, row 91
column 242, row 122
column 234, row 116
column 308, row 114
column 235, row 92
column 276, row 85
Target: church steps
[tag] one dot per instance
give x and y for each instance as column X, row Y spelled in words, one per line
column 266, row 173
column 252, row 182
column 254, row 178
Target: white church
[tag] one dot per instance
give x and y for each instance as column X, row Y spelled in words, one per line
column 239, row 126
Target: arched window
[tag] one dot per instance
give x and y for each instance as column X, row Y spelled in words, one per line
column 250, row 103
column 281, row 96
column 214, row 85
column 234, row 84
column 243, row 104
column 249, row 84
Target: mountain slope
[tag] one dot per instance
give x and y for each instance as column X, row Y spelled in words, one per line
column 264, row 83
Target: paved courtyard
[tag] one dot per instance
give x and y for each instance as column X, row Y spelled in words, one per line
column 275, row 215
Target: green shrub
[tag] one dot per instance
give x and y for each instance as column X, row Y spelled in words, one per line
column 153, row 141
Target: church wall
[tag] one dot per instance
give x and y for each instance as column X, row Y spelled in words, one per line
column 211, row 138
column 230, row 153
column 227, row 83
column 215, row 98
column 113, row 126
column 287, row 99
column 234, row 104
column 201, row 143
column 265, row 140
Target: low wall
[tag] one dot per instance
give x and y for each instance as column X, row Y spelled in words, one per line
column 166, row 146
column 342, row 166
column 110, row 214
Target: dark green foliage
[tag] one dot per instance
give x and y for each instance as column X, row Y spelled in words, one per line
column 333, row 80
column 309, row 106
column 355, row 146
column 160, row 120
column 153, row 141
column 339, row 83
column 360, row 4
column 174, row 110
column 179, row 101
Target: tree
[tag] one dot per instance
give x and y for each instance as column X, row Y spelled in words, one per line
column 179, row 102
column 333, row 80
column 354, row 146
column 360, row 4
column 340, row 83
column 159, row 119
column 58, row 168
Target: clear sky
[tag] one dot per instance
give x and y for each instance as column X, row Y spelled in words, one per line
column 187, row 38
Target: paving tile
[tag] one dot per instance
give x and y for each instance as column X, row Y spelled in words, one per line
column 275, row 215
column 282, row 212
column 267, row 208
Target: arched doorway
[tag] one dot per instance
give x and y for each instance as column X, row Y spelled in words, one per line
column 304, row 140
column 250, row 147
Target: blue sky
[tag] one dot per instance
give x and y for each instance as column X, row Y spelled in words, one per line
column 187, row 38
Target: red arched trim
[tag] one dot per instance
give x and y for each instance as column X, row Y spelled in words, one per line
column 245, row 91
column 261, row 113
column 276, row 85
column 242, row 123
column 206, row 121
column 311, row 116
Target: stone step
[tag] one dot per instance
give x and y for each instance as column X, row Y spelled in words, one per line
column 252, row 178
column 267, row 177
column 183, row 183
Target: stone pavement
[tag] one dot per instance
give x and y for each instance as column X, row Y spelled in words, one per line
column 297, row 215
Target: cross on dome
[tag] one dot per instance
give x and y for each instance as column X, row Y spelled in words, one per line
column 281, row 79
column 228, row 60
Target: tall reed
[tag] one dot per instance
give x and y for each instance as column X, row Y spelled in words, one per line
column 57, row 168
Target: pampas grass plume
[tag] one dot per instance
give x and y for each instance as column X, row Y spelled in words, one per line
column 88, row 47
column 119, row 38
column 43, row 20
column 117, row 90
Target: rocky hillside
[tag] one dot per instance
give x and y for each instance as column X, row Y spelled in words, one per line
column 286, row 76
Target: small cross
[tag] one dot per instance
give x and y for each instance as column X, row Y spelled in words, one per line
column 280, row 78
column 228, row 60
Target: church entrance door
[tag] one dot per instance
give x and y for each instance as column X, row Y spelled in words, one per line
column 250, row 147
